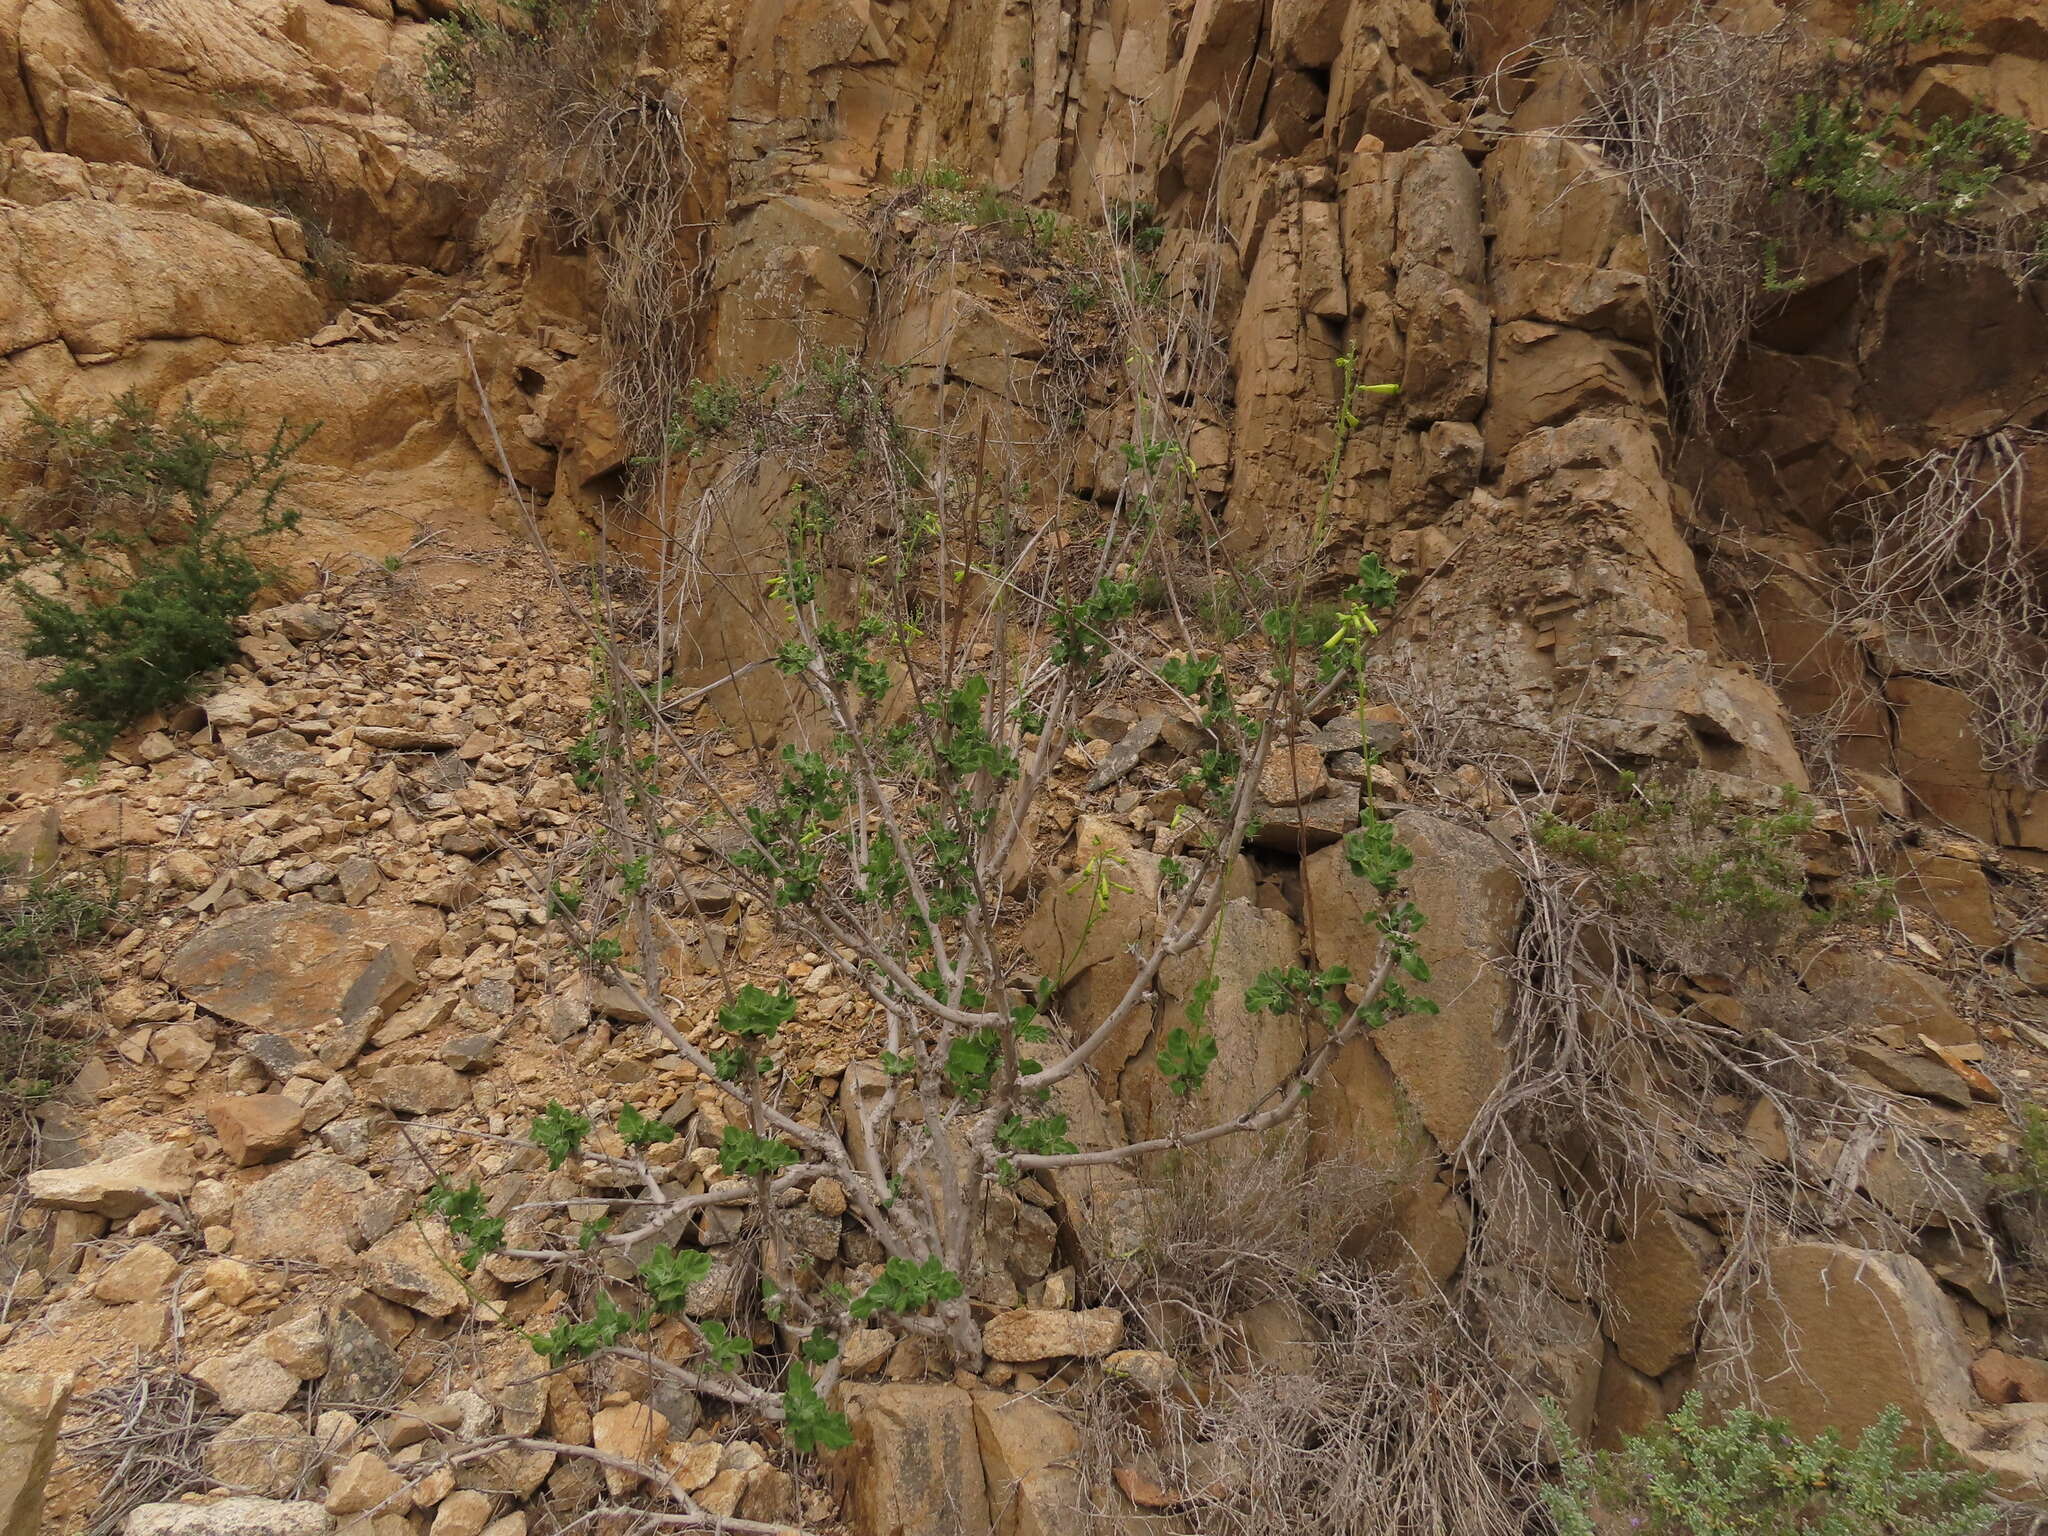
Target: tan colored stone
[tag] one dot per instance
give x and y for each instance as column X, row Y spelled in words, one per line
column 268, row 1454
column 247, row 1381
column 463, row 1513
column 1293, row 775
column 231, row 968
column 116, row 1187
column 1884, row 992
column 634, row 1431
column 270, row 1220
column 2003, row 1378
column 417, row 1266
column 1028, row 1452
column 915, row 1467
column 1656, row 1281
column 140, row 1274
column 364, row 1482
column 257, row 1127
column 1027, row 1334
column 1445, row 1065
column 31, row 1414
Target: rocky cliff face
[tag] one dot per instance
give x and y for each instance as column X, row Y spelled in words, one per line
column 1822, row 571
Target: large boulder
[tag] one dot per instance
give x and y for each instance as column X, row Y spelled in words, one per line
column 1656, row 1281
column 1028, row 1453
column 310, row 1209
column 230, row 1517
column 1442, row 1066
column 915, row 1465
column 1842, row 1333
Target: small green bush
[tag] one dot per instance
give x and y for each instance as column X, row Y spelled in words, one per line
column 1895, row 25
column 1860, row 161
column 142, row 546
column 1695, row 880
column 1747, row 1475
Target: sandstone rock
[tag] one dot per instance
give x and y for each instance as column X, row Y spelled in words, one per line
column 463, row 1513
column 1316, row 824
column 1953, row 890
column 180, row 1048
column 1254, row 1051
column 416, row 1265
column 255, row 1128
column 31, row 1413
column 421, row 1088
column 1886, row 992
column 284, row 969
column 2003, row 1378
column 300, row 1346
column 116, row 1187
column 271, row 1219
column 1028, row 1334
column 1656, row 1281
column 1028, row 1453
column 1445, row 1064
column 1866, row 1329
column 231, row 1281
column 1921, row 1076
column 915, row 1466
column 267, row 1454
column 247, row 1381
column 140, row 1274
column 1293, row 775
column 633, row 1431
column 107, row 822
column 229, row 1517
column 364, row 1482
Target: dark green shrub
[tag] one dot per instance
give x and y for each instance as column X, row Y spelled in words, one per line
column 143, row 545
column 1747, row 1475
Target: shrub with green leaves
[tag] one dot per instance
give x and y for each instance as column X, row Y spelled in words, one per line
column 1742, row 1474
column 141, row 553
column 946, row 655
column 1695, row 880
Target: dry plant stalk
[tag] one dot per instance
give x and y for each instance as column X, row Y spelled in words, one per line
column 1321, row 1395
column 1607, row 1108
column 1943, row 562
column 1683, row 112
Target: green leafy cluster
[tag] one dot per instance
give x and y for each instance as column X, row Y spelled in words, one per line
column 1883, row 181
column 809, row 1423
column 150, row 530
column 1747, row 1475
column 905, row 1286
column 559, row 1132
column 741, row 1151
column 465, row 1212
column 1889, row 25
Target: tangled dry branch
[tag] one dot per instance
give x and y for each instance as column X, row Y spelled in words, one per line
column 1943, row 564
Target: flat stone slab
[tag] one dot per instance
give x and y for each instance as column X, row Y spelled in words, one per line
column 284, row 968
